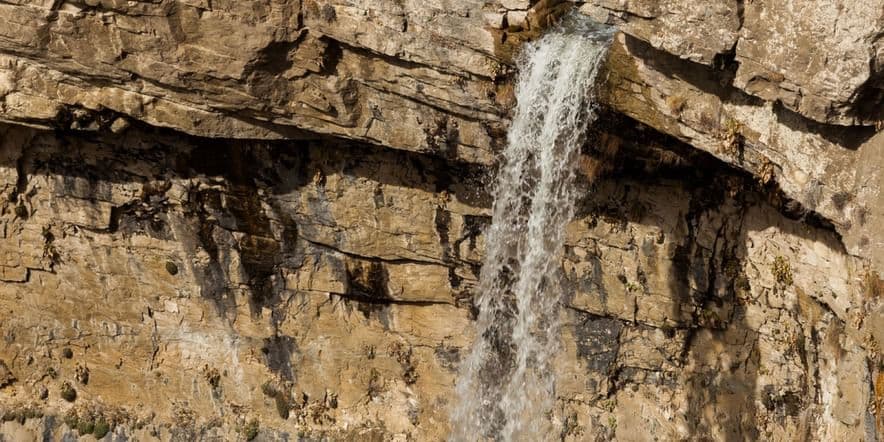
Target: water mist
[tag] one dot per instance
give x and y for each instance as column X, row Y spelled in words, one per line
column 506, row 389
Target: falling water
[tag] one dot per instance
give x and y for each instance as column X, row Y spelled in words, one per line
column 506, row 388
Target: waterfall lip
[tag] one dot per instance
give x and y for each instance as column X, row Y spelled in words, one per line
column 577, row 23
column 506, row 388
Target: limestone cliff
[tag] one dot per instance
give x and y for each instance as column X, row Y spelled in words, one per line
column 225, row 220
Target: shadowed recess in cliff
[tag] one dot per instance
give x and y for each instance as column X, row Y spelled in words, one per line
column 708, row 281
column 506, row 388
column 718, row 81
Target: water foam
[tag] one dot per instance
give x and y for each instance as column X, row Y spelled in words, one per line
column 506, row 386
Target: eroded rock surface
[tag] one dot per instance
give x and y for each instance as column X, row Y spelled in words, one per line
column 323, row 289
column 833, row 171
column 302, row 264
column 822, row 59
column 418, row 76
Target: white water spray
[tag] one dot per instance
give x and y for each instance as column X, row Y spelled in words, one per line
column 506, row 389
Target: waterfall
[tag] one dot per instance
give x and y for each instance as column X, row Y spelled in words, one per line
column 506, row 386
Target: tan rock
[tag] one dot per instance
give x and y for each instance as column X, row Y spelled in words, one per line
column 320, row 285
column 694, row 31
column 820, row 59
column 261, row 61
column 808, row 161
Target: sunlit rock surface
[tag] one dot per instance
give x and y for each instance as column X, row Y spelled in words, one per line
column 223, row 219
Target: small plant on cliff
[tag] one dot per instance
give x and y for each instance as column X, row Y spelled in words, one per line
column 612, row 423
column 268, row 389
column 633, row 287
column 21, row 211
column 571, row 427
column 71, row 419
column 6, row 376
column 50, row 252
column 328, row 13
column 403, row 355
column 85, row 426
column 67, row 392
column 212, row 376
column 283, row 404
column 32, row 413
column 375, row 384
column 22, row 414
column 101, row 428
column 250, row 429
column 11, row 415
column 782, row 271
column 609, row 405
column 282, row 400
column 497, row 69
column 733, row 137
column 676, row 104
column 82, row 374
column 872, row 284
column 766, row 172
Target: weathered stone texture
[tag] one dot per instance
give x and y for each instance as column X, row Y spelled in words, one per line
column 305, row 268
column 417, row 76
column 822, row 59
column 696, row 31
column 832, row 171
column 323, row 289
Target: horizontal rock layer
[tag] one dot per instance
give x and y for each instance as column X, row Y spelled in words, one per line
column 831, row 171
column 417, row 76
column 303, row 263
column 822, row 59
column 433, row 77
column 324, row 289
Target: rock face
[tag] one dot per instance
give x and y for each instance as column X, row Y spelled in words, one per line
column 824, row 60
column 834, row 172
column 417, row 76
column 229, row 220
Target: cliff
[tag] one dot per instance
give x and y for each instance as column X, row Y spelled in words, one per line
column 228, row 220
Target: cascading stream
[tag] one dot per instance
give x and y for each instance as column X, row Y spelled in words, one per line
column 506, row 386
